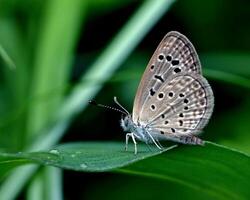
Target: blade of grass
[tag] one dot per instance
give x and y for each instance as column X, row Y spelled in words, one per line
column 16, row 181
column 53, row 58
column 6, row 58
column 15, row 81
column 36, row 188
column 47, row 185
column 232, row 62
column 228, row 77
column 54, row 187
column 52, row 62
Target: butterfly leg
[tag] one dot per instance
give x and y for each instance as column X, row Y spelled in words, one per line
column 157, row 145
column 133, row 138
column 154, row 141
column 158, row 142
column 127, row 138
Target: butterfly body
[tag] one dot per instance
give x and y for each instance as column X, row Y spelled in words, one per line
column 148, row 135
column 138, row 130
column 173, row 101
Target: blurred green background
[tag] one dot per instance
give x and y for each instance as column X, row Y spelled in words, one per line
column 55, row 55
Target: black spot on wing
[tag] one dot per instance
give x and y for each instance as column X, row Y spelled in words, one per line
column 152, row 92
column 159, row 78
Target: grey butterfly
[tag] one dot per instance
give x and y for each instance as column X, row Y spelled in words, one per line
column 173, row 101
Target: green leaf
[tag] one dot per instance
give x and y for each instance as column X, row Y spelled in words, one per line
column 212, row 170
column 89, row 157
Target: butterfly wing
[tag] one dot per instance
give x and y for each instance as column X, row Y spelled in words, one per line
column 175, row 54
column 174, row 99
column 180, row 107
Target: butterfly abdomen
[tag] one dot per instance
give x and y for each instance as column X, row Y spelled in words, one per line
column 191, row 139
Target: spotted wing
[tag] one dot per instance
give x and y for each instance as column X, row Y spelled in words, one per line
column 180, row 107
column 175, row 54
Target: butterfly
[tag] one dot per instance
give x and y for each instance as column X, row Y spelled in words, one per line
column 173, row 101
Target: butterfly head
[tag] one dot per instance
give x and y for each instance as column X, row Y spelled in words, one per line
column 127, row 123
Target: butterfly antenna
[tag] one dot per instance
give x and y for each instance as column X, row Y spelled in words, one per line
column 116, row 101
column 105, row 106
